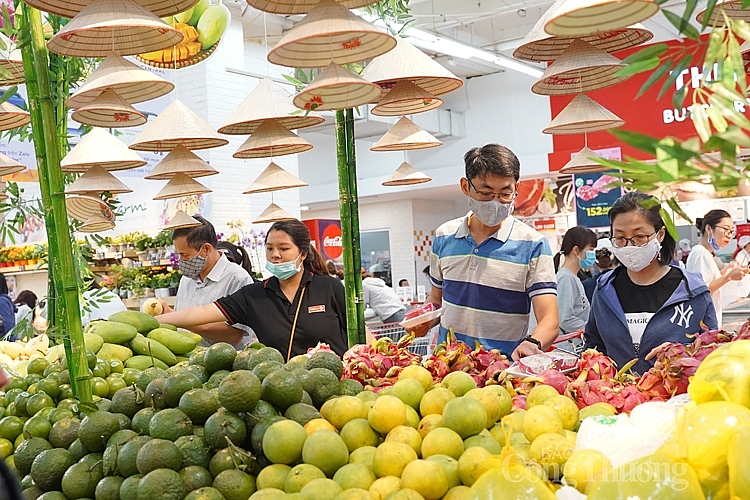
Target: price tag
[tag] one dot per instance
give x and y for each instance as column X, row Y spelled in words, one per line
column 155, row 262
column 100, row 256
column 118, row 255
column 137, row 264
column 21, row 268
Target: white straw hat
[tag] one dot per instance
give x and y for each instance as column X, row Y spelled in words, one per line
column 274, row 178
column 405, row 134
column 271, row 139
column 288, row 7
column 733, row 10
column 273, row 213
column 96, row 224
column 406, row 98
column 97, row 180
column 330, row 33
column 181, row 220
column 583, row 163
column 12, row 62
column 12, row 117
column 130, row 82
column 406, row 175
column 81, row 207
column 267, row 101
column 581, row 68
column 181, row 185
column 577, row 18
column 177, row 125
column 9, row 166
column 120, row 26
column 101, row 148
column 336, row 88
column 181, row 161
column 109, row 110
column 69, row 8
column 583, row 114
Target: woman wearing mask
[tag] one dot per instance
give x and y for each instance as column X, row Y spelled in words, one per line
column 25, row 302
column 572, row 305
column 298, row 307
column 717, row 230
column 645, row 303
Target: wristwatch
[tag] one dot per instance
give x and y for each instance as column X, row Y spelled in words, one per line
column 534, row 341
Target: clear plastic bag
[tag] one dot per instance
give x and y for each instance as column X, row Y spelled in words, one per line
column 724, row 375
column 738, row 463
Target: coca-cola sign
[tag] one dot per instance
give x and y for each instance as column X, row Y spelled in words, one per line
column 332, row 243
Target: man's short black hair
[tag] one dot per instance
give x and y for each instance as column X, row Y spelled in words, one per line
column 198, row 236
column 492, row 159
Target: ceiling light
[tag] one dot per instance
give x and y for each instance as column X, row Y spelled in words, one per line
column 304, row 207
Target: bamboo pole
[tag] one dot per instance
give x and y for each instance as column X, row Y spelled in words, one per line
column 61, row 264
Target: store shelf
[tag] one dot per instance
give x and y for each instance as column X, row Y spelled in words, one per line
column 20, row 270
column 130, row 254
column 136, row 264
column 135, row 304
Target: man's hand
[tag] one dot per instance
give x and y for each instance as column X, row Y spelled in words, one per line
column 165, row 307
column 656, row 350
column 525, row 349
column 422, row 329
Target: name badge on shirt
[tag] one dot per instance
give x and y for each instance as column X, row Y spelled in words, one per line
column 316, row 309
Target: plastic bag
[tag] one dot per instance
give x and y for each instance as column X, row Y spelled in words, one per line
column 738, row 463
column 724, row 375
column 511, row 482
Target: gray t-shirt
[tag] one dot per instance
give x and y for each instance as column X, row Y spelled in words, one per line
column 572, row 305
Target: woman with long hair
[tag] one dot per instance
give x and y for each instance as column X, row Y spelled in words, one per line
column 294, row 310
column 572, row 305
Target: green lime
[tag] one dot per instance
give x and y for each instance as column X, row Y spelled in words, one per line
column 37, row 365
column 37, row 426
column 219, row 356
column 222, row 426
column 64, row 432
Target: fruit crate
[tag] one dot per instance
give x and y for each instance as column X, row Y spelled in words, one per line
column 394, row 331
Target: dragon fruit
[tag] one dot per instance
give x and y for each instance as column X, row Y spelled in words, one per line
column 378, row 364
column 519, row 402
column 597, row 365
column 453, row 355
column 553, row 378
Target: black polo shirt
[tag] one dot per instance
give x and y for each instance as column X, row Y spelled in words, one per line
column 264, row 308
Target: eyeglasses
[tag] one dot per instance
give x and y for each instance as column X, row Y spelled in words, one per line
column 488, row 195
column 729, row 231
column 637, row 240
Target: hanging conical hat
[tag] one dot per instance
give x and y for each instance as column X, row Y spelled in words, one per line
column 405, row 134
column 181, row 220
column 336, row 88
column 181, row 185
column 177, row 125
column 3, row 196
column 273, row 213
column 109, row 110
column 69, row 8
column 181, row 161
column 733, row 9
column 12, row 116
column 12, row 62
column 130, row 82
column 271, row 139
column 577, row 18
column 96, row 224
column 101, row 148
column 406, row 98
column 406, row 175
column 583, row 114
column 274, row 178
column 581, row 68
column 97, row 180
column 267, row 101
column 120, row 26
column 288, row 7
column 330, row 33
column 81, row 207
column 9, row 166
column 406, row 62
column 582, row 163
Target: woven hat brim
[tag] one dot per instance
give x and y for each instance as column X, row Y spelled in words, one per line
column 407, row 107
column 82, row 207
column 99, row 184
column 732, row 9
column 181, row 220
column 246, row 152
column 15, row 68
column 101, row 148
column 405, row 135
column 69, row 8
column 273, row 213
column 587, row 17
column 13, row 117
column 582, row 163
column 109, row 117
column 291, row 123
column 549, row 48
column 180, row 161
column 173, row 190
column 406, row 175
column 578, row 81
column 583, row 114
column 110, row 166
column 288, row 7
column 96, row 225
column 9, row 166
column 337, row 96
column 274, row 178
column 188, row 143
column 583, row 127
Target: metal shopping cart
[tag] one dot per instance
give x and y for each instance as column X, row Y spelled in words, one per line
column 394, row 331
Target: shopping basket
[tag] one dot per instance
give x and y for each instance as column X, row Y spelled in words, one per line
column 394, row 331
column 569, row 342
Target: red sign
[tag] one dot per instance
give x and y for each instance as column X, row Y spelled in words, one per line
column 545, row 225
column 326, row 237
column 332, row 243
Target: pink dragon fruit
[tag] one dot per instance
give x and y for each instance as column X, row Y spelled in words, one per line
column 519, row 402
column 553, row 378
column 597, row 365
column 379, row 363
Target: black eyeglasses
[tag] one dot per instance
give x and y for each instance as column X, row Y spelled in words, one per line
column 638, row 240
column 489, row 195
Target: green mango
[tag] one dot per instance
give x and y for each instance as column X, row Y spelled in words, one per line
column 212, row 25
column 150, row 347
column 110, row 352
column 114, row 333
column 184, row 16
column 175, row 342
column 197, row 339
column 93, row 341
column 198, row 10
column 171, row 327
column 143, row 362
column 142, row 322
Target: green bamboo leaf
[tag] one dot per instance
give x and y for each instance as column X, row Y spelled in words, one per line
column 727, row 93
column 8, row 93
column 638, row 67
column 700, row 122
column 737, row 68
column 639, row 141
column 669, row 223
column 672, row 202
column 717, row 119
column 707, row 13
column 668, row 169
column 649, row 52
column 679, row 97
column 674, row 74
column 655, row 77
column 741, row 28
column 728, row 110
column 689, row 9
column 736, row 135
column 683, row 25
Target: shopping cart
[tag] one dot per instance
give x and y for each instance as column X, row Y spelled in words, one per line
column 394, row 331
column 569, row 342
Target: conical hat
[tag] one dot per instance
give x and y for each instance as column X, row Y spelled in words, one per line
column 273, row 213
column 581, row 68
column 9, row 166
column 336, row 88
column 405, row 134
column 69, row 8
column 267, row 101
column 12, row 62
column 130, row 82
column 288, row 7
column 101, row 148
column 583, row 114
column 330, row 33
column 96, row 224
column 120, row 26
column 274, row 178
column 97, row 180
column 81, row 207
column 177, row 125
column 577, row 18
column 271, row 139
column 12, row 116
column 3, row 196
column 181, row 161
column 181, row 220
column 406, row 175
column 733, row 9
column 582, row 163
column 406, row 62
column 181, row 185
column 406, row 98
column 109, row 110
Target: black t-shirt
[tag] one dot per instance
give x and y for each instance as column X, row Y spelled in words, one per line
column 648, row 298
column 264, row 308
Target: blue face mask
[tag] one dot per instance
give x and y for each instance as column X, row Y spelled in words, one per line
column 712, row 243
column 589, row 260
column 284, row 270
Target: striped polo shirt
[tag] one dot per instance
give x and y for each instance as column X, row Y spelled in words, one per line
column 487, row 288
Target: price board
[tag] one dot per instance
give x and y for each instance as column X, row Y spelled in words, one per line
column 594, row 198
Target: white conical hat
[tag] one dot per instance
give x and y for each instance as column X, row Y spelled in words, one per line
column 336, row 88
column 181, row 185
column 101, row 148
column 130, row 82
column 96, row 224
column 583, row 114
column 12, row 62
column 274, row 178
column 12, row 117
column 109, row 110
column 267, row 101
column 9, row 166
column 69, row 8
column 288, row 7
column 81, row 207
column 585, row 17
column 181, row 161
column 120, row 26
column 181, row 220
column 271, row 139
column 582, row 163
column 97, row 180
column 405, row 134
column 406, row 98
column 273, row 213
column 177, row 125
column 406, row 175
column 330, row 33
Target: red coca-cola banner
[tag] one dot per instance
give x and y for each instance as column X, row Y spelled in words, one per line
column 326, row 235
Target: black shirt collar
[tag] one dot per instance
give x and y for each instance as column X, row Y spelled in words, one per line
column 272, row 283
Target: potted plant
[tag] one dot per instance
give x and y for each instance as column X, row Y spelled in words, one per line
column 160, row 283
column 162, row 241
column 174, row 282
column 144, row 245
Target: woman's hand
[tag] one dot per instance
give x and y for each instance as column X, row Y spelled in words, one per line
column 733, row 272
column 656, row 350
column 525, row 349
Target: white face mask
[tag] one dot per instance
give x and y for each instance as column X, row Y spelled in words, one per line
column 490, row 213
column 638, row 258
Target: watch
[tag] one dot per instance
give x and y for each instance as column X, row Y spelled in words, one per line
column 534, row 341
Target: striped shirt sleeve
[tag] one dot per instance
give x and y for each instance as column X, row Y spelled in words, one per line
column 436, row 274
column 540, row 279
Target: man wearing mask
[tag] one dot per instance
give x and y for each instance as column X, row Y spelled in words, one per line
column 488, row 269
column 207, row 276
